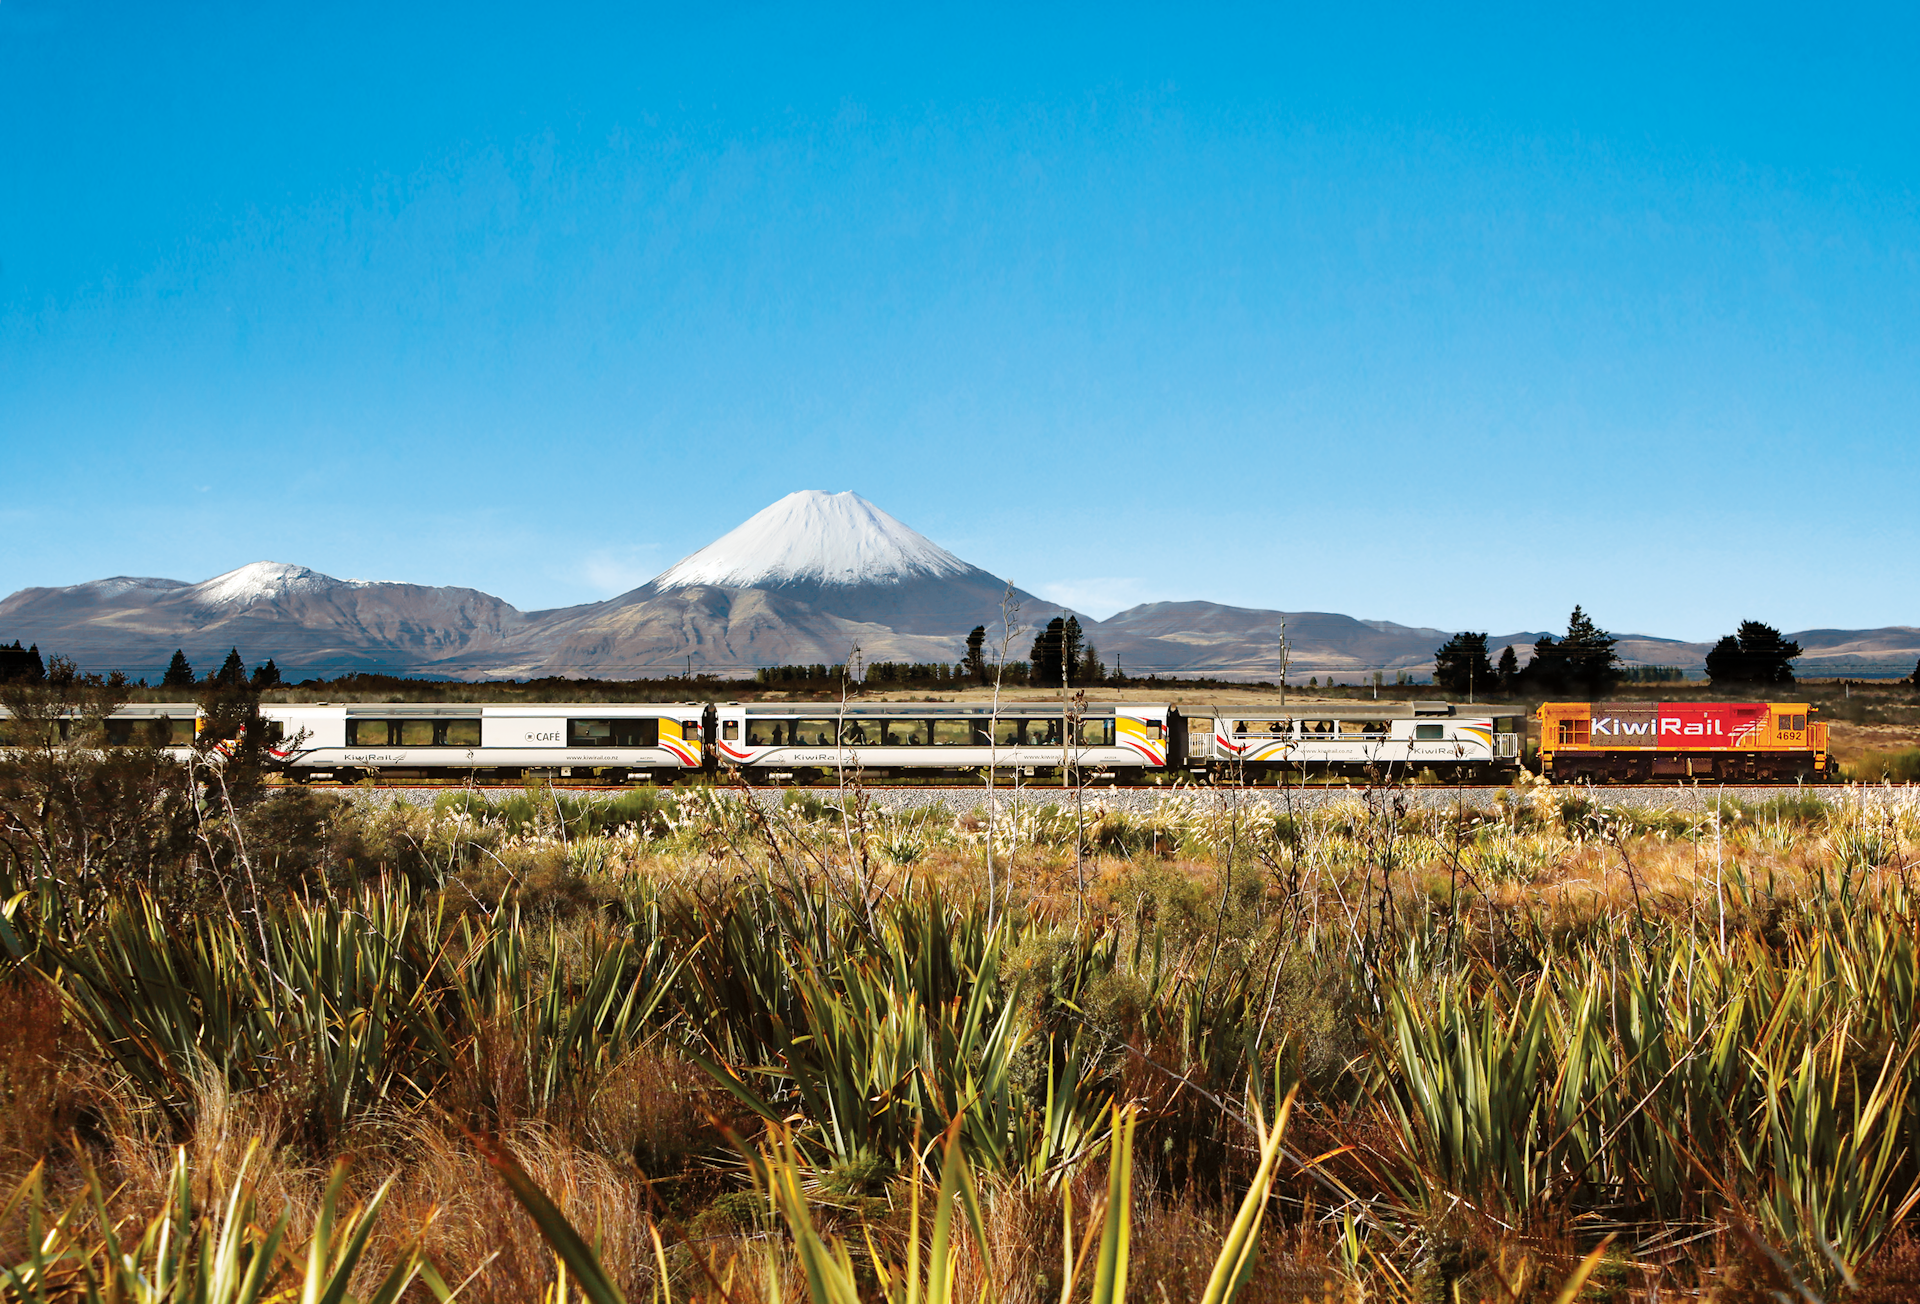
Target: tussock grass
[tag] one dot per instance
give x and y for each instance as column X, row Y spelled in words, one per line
column 1669, row 1049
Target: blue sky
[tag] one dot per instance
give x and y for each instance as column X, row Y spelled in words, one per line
column 1450, row 319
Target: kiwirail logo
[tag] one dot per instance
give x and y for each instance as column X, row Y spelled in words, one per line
column 1616, row 728
column 1690, row 728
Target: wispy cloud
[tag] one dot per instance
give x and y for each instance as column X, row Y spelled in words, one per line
column 611, row 571
column 1098, row 596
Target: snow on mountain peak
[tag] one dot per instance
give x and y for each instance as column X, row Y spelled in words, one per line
column 264, row 581
column 839, row 539
column 113, row 588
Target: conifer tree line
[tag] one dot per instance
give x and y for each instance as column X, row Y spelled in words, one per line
column 1584, row 664
column 1581, row 663
column 231, row 674
column 21, row 664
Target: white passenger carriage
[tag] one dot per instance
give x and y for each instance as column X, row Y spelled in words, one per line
column 1390, row 740
column 806, row 743
column 588, row 741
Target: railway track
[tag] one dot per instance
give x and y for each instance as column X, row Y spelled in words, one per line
column 1142, row 798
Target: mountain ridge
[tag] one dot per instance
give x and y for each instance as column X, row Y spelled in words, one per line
column 809, row 579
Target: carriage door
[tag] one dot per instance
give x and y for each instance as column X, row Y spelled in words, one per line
column 1199, row 739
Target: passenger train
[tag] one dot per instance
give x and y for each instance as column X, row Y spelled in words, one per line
column 1118, row 743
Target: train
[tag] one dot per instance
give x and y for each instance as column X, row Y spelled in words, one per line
column 1119, row 743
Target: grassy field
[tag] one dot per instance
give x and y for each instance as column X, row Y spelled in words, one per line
column 663, row 1046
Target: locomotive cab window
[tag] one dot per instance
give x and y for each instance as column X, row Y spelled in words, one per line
column 1575, row 733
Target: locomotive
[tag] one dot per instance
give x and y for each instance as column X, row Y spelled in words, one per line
column 1640, row 742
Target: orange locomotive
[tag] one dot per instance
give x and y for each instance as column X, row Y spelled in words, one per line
column 1637, row 742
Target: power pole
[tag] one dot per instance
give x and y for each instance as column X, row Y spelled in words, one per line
column 1286, row 657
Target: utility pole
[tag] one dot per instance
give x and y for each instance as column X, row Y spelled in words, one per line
column 1286, row 657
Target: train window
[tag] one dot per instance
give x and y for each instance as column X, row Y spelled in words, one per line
column 730, row 731
column 690, row 730
column 1575, row 733
column 416, row 733
column 903, row 733
column 1027, row 733
column 1096, row 733
column 150, row 732
column 1429, row 733
column 1316, row 726
column 616, row 733
column 1364, row 728
column 367, row 733
column 1799, row 723
column 810, row 733
column 854, row 733
column 463, row 733
column 185, row 729
column 1198, row 726
column 953, row 733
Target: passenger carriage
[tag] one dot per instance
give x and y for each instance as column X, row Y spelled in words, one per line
column 597, row 742
column 797, row 743
column 1384, row 739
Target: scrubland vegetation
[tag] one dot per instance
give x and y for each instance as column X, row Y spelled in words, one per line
column 677, row 1045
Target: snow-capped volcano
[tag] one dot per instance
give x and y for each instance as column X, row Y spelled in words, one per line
column 842, row 557
column 819, row 538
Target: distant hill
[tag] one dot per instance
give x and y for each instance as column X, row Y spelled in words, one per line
column 301, row 618
column 803, row 581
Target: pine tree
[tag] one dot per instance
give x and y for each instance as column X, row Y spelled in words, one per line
column 1582, row 663
column 232, row 672
column 976, row 658
column 1755, row 654
column 1091, row 670
column 1725, row 664
column 179, row 672
column 1508, row 670
column 266, row 675
column 1044, row 669
column 1072, row 643
column 1460, row 665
